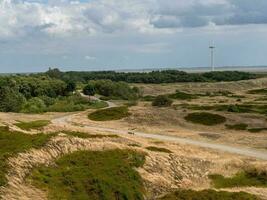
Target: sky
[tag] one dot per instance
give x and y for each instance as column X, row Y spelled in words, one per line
column 130, row 34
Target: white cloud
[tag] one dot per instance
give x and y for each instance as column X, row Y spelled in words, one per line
column 20, row 18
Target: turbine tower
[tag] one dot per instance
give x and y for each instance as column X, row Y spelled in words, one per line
column 212, row 48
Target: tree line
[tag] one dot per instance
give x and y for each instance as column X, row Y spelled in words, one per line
column 156, row 77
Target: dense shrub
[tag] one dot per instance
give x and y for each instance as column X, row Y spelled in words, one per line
column 115, row 90
column 204, row 118
column 10, row 100
column 162, row 101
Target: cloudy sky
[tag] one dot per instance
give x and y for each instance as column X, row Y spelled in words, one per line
column 126, row 34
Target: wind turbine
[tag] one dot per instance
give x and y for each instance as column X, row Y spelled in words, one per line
column 212, row 48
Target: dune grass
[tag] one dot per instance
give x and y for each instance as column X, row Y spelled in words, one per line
column 109, row 114
column 262, row 91
column 96, row 175
column 208, row 195
column 205, row 118
column 12, row 143
column 87, row 135
column 245, row 178
column 158, row 149
column 36, row 125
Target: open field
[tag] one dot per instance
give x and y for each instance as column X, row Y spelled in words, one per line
column 178, row 153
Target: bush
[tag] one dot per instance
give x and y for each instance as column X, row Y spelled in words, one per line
column 34, row 105
column 108, row 114
column 204, row 118
column 162, row 101
column 115, row 90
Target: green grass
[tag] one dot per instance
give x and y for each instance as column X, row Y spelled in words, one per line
column 108, row 114
column 86, row 135
column 182, row 95
column 93, row 175
column 158, row 149
column 240, row 126
column 37, row 125
column 257, row 130
column 205, row 118
column 208, row 195
column 242, row 179
column 97, row 104
column 12, row 143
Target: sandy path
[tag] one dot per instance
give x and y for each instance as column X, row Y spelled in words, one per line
column 248, row 152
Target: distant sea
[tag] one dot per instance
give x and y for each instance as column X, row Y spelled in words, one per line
column 258, row 69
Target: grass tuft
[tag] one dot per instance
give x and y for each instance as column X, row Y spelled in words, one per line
column 37, row 125
column 108, row 114
column 205, row 118
column 94, row 175
column 182, row 95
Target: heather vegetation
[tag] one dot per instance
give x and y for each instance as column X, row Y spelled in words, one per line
column 13, row 143
column 93, row 175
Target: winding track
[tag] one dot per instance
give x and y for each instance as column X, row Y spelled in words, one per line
column 248, row 152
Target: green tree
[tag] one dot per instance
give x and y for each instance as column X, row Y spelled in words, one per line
column 89, row 89
column 10, row 100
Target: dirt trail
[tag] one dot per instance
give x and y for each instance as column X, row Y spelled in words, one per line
column 249, row 152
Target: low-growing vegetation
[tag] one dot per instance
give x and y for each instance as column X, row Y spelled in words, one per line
column 257, row 130
column 37, row 125
column 12, row 143
column 94, row 175
column 87, row 135
column 262, row 91
column 205, row 118
column 108, row 114
column 162, row 101
column 182, row 95
column 234, row 108
column 240, row 126
column 251, row 177
column 158, row 149
column 208, row 195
